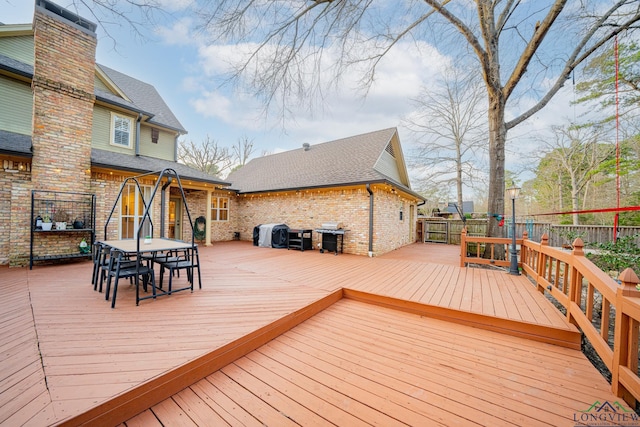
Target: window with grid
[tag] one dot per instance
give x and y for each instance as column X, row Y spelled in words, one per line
column 219, row 209
column 121, row 130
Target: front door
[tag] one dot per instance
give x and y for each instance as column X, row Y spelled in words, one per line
column 175, row 218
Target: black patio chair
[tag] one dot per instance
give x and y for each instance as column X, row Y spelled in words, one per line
column 121, row 267
column 101, row 257
column 189, row 261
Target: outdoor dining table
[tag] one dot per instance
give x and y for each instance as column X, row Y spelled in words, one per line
column 152, row 246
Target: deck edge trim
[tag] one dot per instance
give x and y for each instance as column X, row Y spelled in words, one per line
column 569, row 338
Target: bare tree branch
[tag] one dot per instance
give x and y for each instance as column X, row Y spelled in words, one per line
column 451, row 129
column 207, row 156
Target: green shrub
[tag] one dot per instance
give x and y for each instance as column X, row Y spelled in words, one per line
column 617, row 256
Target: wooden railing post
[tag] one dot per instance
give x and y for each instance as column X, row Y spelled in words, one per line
column 540, row 268
column 575, row 292
column 625, row 344
column 523, row 249
column 578, row 247
column 575, row 282
column 463, row 246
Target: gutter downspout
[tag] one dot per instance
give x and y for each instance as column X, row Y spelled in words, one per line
column 138, row 134
column 368, row 186
column 175, row 148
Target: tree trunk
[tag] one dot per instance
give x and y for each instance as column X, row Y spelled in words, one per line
column 459, row 174
column 497, row 138
column 574, row 200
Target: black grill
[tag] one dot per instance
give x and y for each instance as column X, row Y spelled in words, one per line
column 332, row 240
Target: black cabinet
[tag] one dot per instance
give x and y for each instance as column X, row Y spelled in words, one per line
column 300, row 239
column 60, row 221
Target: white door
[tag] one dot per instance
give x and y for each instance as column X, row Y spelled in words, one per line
column 132, row 210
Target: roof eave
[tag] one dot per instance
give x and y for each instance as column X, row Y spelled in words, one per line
column 180, row 131
column 16, row 153
column 21, row 74
column 139, row 171
column 15, row 30
column 123, row 106
column 346, row 184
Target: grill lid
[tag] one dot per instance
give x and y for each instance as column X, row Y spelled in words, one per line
column 331, row 225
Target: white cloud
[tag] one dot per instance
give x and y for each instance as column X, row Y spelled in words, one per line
column 175, row 5
column 213, row 105
column 180, row 33
column 343, row 112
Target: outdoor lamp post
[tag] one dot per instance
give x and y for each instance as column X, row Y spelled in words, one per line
column 513, row 192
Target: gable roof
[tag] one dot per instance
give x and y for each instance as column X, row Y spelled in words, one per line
column 374, row 157
column 142, row 97
column 145, row 97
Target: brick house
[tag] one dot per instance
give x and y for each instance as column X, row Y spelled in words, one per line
column 69, row 125
column 360, row 182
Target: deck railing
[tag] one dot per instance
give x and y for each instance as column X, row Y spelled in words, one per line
column 606, row 312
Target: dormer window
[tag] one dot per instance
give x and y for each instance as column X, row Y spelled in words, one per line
column 155, row 134
column 121, row 130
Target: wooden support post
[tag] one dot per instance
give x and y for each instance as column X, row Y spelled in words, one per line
column 578, row 247
column 524, row 256
column 575, row 282
column 463, row 246
column 625, row 345
column 540, row 269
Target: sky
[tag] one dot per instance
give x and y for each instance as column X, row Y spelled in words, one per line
column 182, row 68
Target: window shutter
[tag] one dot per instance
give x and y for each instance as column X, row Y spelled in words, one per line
column 121, row 131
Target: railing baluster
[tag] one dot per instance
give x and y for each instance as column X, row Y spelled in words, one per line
column 589, row 302
column 604, row 319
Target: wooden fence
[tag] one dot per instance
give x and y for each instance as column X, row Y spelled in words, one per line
column 589, row 296
column 448, row 231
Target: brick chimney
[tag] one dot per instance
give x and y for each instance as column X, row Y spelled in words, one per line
column 63, row 98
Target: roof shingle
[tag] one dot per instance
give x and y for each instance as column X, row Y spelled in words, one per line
column 145, row 97
column 336, row 163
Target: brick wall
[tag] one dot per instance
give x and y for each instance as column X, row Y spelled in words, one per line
column 349, row 206
column 15, row 197
column 63, row 101
column 221, row 231
column 390, row 231
column 63, row 97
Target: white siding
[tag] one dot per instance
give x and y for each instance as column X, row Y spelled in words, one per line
column 388, row 166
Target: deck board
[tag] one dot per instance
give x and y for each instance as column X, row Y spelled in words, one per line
column 71, row 352
column 355, row 363
column 23, row 389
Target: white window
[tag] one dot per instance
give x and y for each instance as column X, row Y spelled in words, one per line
column 219, row 209
column 121, row 130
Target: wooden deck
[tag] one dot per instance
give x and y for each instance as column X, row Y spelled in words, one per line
column 71, row 357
